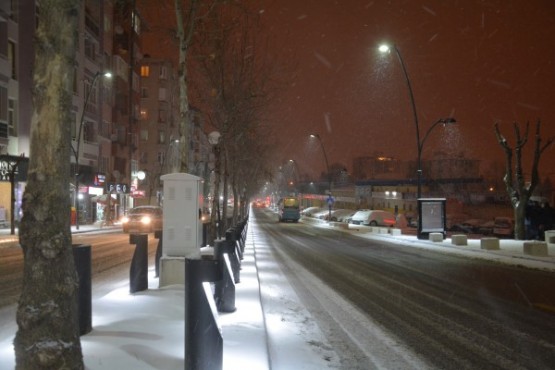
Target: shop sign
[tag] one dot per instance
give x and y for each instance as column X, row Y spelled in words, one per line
column 138, row 194
column 95, row 190
column 99, row 179
column 12, row 164
column 117, row 188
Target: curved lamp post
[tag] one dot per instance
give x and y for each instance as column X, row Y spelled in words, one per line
column 386, row 49
column 419, row 144
column 298, row 179
column 444, row 121
column 76, row 150
column 296, row 169
column 316, row 136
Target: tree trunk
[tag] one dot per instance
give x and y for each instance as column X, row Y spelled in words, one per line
column 48, row 329
column 520, row 216
column 185, row 34
column 518, row 189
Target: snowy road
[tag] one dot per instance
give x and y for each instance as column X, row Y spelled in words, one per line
column 379, row 305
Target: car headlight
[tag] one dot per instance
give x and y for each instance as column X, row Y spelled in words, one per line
column 146, row 220
column 125, row 219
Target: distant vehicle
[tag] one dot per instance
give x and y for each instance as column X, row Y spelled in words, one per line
column 142, row 219
column 503, row 227
column 259, row 203
column 371, row 217
column 289, row 209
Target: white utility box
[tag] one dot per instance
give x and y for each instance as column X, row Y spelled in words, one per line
column 182, row 236
column 182, row 230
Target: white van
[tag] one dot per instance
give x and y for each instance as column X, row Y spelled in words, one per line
column 372, row 217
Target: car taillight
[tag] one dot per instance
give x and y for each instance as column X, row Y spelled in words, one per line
column 145, row 220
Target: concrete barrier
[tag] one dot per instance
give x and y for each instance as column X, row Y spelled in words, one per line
column 550, row 236
column 459, row 239
column 489, row 243
column 436, row 237
column 394, row 231
column 535, row 248
column 383, row 230
column 340, row 225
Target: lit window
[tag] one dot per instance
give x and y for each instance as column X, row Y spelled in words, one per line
column 144, row 113
column 145, row 71
column 144, row 135
column 12, row 118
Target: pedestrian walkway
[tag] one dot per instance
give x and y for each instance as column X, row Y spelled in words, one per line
column 145, row 330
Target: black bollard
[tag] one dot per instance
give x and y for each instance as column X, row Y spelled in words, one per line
column 203, row 337
column 231, row 237
column 82, row 260
column 230, row 247
column 204, row 234
column 158, row 235
column 138, row 273
column 225, row 288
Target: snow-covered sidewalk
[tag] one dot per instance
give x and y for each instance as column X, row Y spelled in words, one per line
column 146, row 330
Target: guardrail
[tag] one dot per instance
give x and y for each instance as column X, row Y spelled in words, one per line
column 221, row 270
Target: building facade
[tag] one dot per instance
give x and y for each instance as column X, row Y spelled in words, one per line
column 158, row 127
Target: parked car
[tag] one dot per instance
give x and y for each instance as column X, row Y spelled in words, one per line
column 310, row 211
column 341, row 215
column 143, row 219
column 470, row 226
column 373, row 218
column 486, row 228
column 322, row 215
column 503, row 227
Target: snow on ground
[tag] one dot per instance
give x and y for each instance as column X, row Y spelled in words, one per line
column 145, row 330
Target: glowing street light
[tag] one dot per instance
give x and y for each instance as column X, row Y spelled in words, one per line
column 384, row 48
column 316, row 136
column 443, row 121
column 76, row 150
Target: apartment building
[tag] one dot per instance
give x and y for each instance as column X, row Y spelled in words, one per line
column 158, row 127
column 121, row 129
column 15, row 97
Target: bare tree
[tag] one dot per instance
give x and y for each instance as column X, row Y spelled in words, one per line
column 518, row 189
column 185, row 32
column 235, row 80
column 48, row 329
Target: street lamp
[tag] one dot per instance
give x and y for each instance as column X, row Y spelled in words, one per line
column 444, row 121
column 316, row 136
column 214, row 140
column 78, row 141
column 296, row 170
column 385, row 49
column 419, row 144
